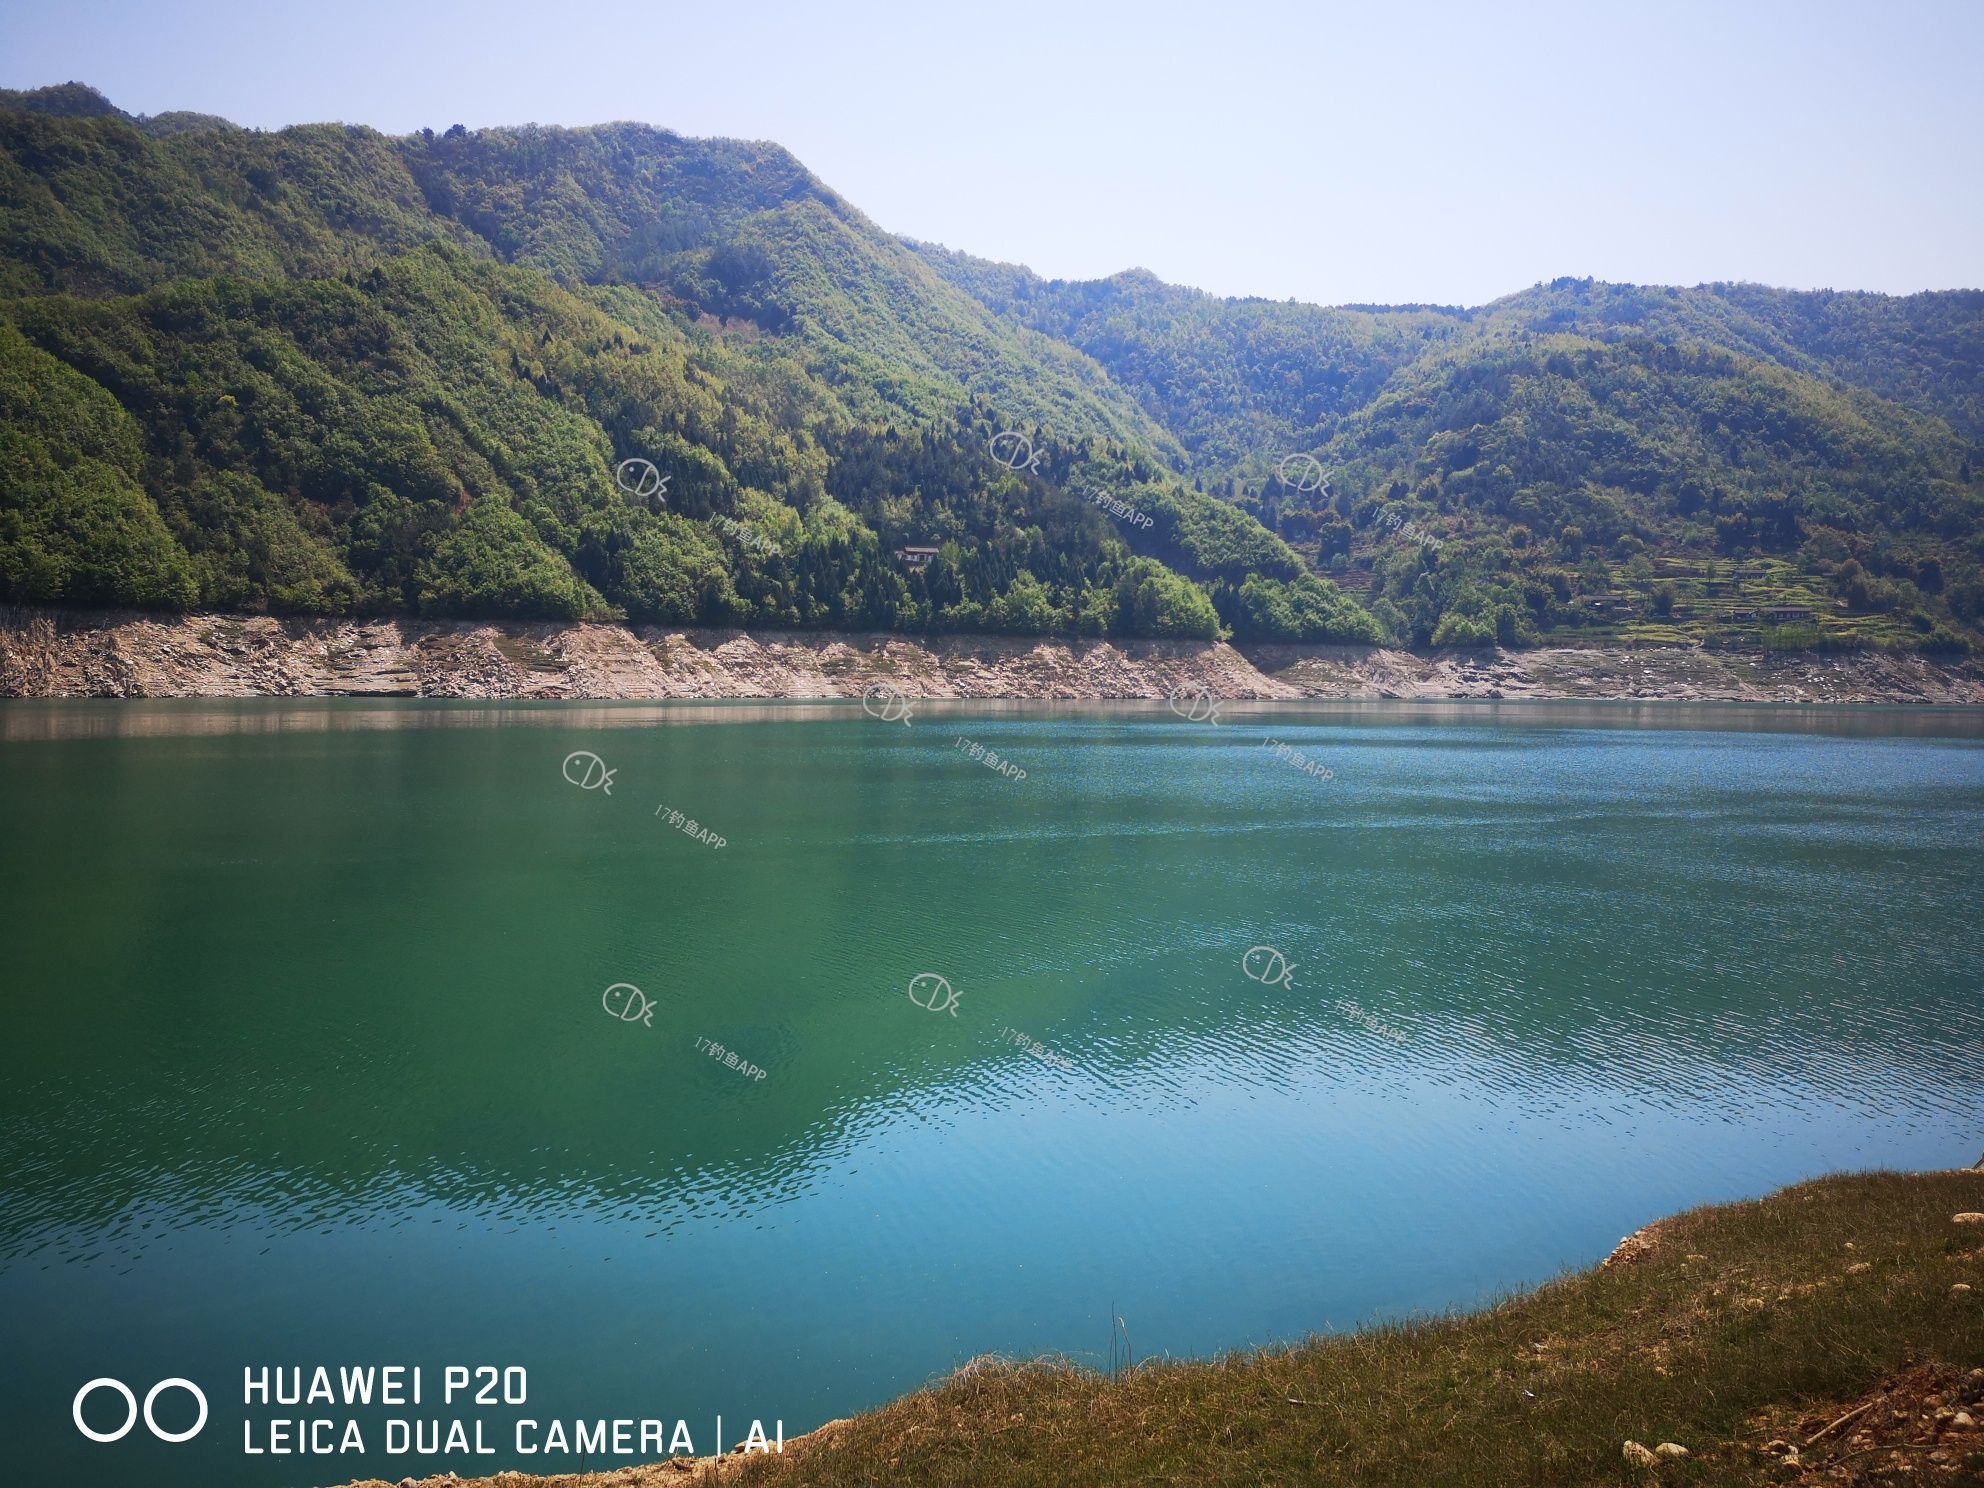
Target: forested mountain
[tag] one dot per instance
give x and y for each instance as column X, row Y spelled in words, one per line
column 327, row 370
column 77, row 101
column 1726, row 462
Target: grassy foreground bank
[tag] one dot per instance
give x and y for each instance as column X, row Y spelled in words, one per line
column 1741, row 1332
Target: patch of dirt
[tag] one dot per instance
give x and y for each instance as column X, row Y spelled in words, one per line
column 1635, row 1247
column 1922, row 1426
column 675, row 1472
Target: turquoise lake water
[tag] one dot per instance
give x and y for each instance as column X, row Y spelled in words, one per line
column 314, row 1058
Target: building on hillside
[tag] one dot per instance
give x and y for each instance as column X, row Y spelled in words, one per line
column 1611, row 604
column 916, row 555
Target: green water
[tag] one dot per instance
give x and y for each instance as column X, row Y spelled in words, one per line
column 309, row 1062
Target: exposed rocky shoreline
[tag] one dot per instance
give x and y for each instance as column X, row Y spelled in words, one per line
column 47, row 654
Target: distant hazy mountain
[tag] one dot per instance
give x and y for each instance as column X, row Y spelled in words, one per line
column 1580, row 454
column 326, row 370
column 80, row 101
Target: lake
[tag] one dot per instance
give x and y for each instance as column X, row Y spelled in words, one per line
column 324, row 1048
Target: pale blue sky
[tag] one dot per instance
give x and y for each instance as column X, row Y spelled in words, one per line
column 1376, row 152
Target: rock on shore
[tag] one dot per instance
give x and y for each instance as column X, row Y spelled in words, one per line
column 106, row 654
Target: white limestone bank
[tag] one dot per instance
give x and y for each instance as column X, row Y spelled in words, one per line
column 47, row 653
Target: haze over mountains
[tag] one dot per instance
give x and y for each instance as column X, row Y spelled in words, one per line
column 324, row 370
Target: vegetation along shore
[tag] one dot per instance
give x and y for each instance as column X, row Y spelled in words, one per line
column 1831, row 1333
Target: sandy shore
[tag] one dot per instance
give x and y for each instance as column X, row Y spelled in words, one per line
column 108, row 654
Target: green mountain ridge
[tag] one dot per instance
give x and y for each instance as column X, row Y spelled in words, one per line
column 80, row 101
column 325, row 370
column 1822, row 448
column 333, row 395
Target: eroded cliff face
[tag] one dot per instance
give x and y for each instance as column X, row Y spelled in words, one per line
column 95, row 654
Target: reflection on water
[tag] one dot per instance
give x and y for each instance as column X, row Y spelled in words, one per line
column 311, row 1064
column 164, row 717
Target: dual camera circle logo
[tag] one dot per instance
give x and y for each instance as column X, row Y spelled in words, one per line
column 132, row 1412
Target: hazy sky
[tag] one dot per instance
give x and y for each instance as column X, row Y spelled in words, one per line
column 1375, row 152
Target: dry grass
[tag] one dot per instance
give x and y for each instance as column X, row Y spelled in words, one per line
column 1725, row 1329
column 1544, row 1389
